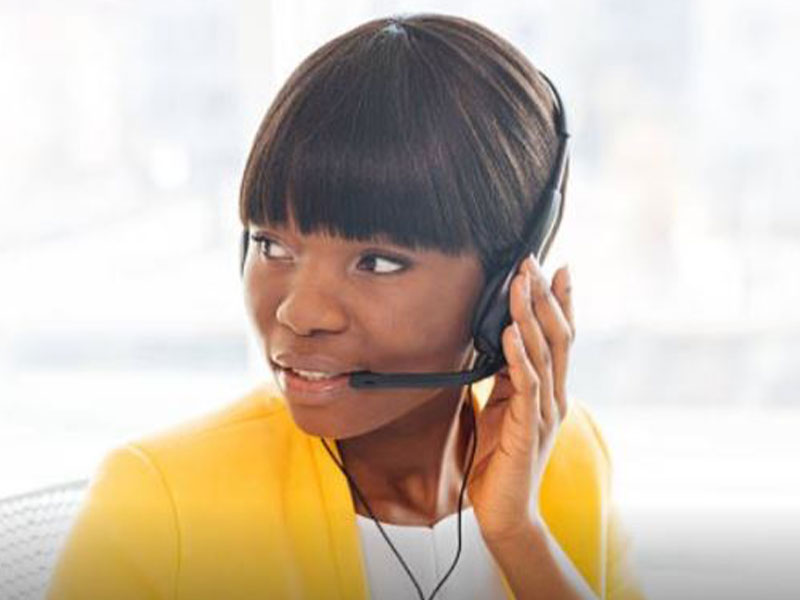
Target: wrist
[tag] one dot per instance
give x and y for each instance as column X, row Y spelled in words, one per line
column 527, row 533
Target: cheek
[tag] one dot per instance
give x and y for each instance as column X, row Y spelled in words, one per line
column 432, row 325
column 436, row 330
column 259, row 305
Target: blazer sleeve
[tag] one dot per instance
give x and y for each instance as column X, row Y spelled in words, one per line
column 622, row 582
column 123, row 543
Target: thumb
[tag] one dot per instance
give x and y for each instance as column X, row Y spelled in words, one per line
column 503, row 386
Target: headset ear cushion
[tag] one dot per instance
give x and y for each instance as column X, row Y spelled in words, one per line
column 492, row 312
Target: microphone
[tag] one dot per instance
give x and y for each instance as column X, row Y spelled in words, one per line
column 483, row 368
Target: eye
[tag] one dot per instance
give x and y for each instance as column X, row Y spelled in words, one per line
column 376, row 259
column 377, row 263
column 265, row 244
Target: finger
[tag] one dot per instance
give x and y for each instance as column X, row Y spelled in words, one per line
column 555, row 323
column 523, row 407
column 502, row 389
column 562, row 288
column 535, row 343
column 489, row 423
column 556, row 328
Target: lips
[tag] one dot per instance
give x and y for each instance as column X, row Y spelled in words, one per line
column 308, row 391
column 313, row 362
column 311, row 391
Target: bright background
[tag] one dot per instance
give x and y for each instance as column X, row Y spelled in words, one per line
column 125, row 127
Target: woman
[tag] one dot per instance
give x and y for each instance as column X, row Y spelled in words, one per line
column 388, row 182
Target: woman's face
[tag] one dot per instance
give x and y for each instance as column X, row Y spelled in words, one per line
column 347, row 306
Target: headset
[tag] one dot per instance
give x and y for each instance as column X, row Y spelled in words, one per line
column 492, row 312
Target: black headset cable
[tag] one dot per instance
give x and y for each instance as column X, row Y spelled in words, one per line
column 474, row 439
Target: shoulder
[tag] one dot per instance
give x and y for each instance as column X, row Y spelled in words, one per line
column 580, row 459
column 597, row 432
column 581, row 423
column 197, row 450
column 126, row 537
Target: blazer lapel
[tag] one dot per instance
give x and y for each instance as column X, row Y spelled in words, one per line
column 342, row 530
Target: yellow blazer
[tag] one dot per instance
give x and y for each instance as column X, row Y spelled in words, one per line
column 241, row 503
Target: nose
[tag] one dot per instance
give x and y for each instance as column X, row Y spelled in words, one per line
column 310, row 307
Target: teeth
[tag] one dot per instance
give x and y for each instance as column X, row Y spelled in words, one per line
column 315, row 375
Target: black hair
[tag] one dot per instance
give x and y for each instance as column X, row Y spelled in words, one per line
column 428, row 130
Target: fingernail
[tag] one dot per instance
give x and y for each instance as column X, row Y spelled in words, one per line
column 532, row 262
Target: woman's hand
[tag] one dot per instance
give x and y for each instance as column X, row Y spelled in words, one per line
column 517, row 427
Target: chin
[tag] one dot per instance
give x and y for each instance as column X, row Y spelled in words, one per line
column 319, row 421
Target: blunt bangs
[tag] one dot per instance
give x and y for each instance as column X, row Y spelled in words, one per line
column 427, row 131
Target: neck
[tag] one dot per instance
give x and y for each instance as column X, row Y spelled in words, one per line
column 411, row 470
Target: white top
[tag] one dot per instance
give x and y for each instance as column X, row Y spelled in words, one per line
column 429, row 552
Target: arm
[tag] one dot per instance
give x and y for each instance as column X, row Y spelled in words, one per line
column 536, row 566
column 124, row 541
